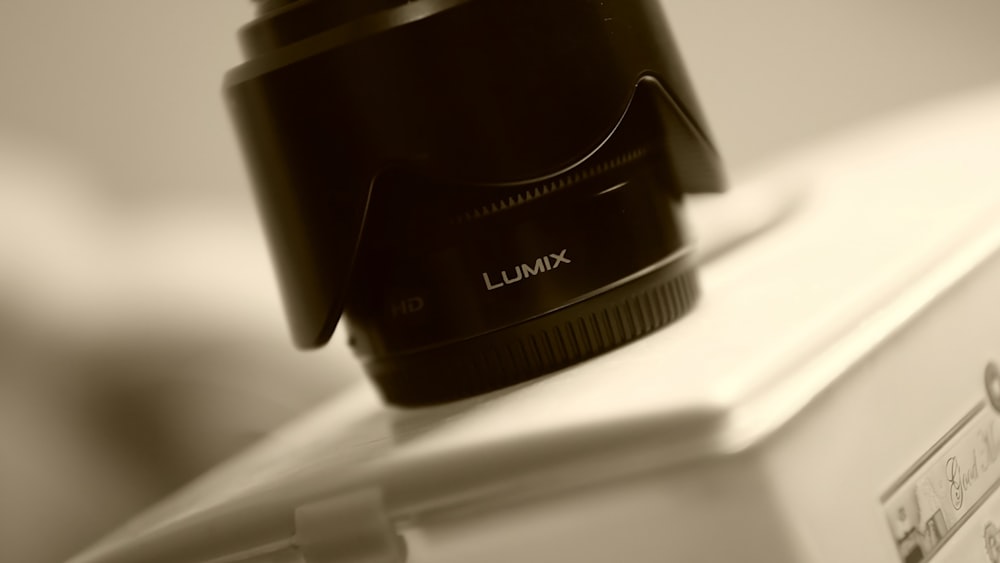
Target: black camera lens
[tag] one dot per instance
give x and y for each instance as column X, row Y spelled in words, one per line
column 486, row 190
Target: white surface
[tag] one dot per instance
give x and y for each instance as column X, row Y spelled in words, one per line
column 894, row 215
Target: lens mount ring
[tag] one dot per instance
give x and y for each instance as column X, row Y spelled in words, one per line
column 539, row 346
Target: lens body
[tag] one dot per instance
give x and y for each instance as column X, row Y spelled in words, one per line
column 488, row 190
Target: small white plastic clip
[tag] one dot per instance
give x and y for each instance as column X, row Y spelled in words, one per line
column 348, row 528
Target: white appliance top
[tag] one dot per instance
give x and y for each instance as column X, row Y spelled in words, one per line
column 805, row 269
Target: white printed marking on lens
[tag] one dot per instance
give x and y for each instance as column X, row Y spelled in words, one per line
column 612, row 188
column 524, row 271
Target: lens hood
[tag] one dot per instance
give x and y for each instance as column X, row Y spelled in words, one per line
column 461, row 178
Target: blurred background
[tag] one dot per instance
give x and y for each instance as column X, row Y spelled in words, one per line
column 141, row 336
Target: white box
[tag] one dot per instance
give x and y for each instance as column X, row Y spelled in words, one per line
column 832, row 398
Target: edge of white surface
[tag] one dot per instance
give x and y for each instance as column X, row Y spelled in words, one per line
column 516, row 430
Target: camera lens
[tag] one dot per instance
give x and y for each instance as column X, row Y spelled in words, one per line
column 487, row 190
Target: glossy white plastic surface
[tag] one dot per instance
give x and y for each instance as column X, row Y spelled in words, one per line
column 830, row 350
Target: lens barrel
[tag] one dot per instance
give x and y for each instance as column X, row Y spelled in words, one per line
column 487, row 190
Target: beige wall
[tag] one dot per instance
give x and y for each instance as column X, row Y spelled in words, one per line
column 131, row 85
column 773, row 74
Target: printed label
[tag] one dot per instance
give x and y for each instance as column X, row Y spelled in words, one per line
column 524, row 271
column 948, row 493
